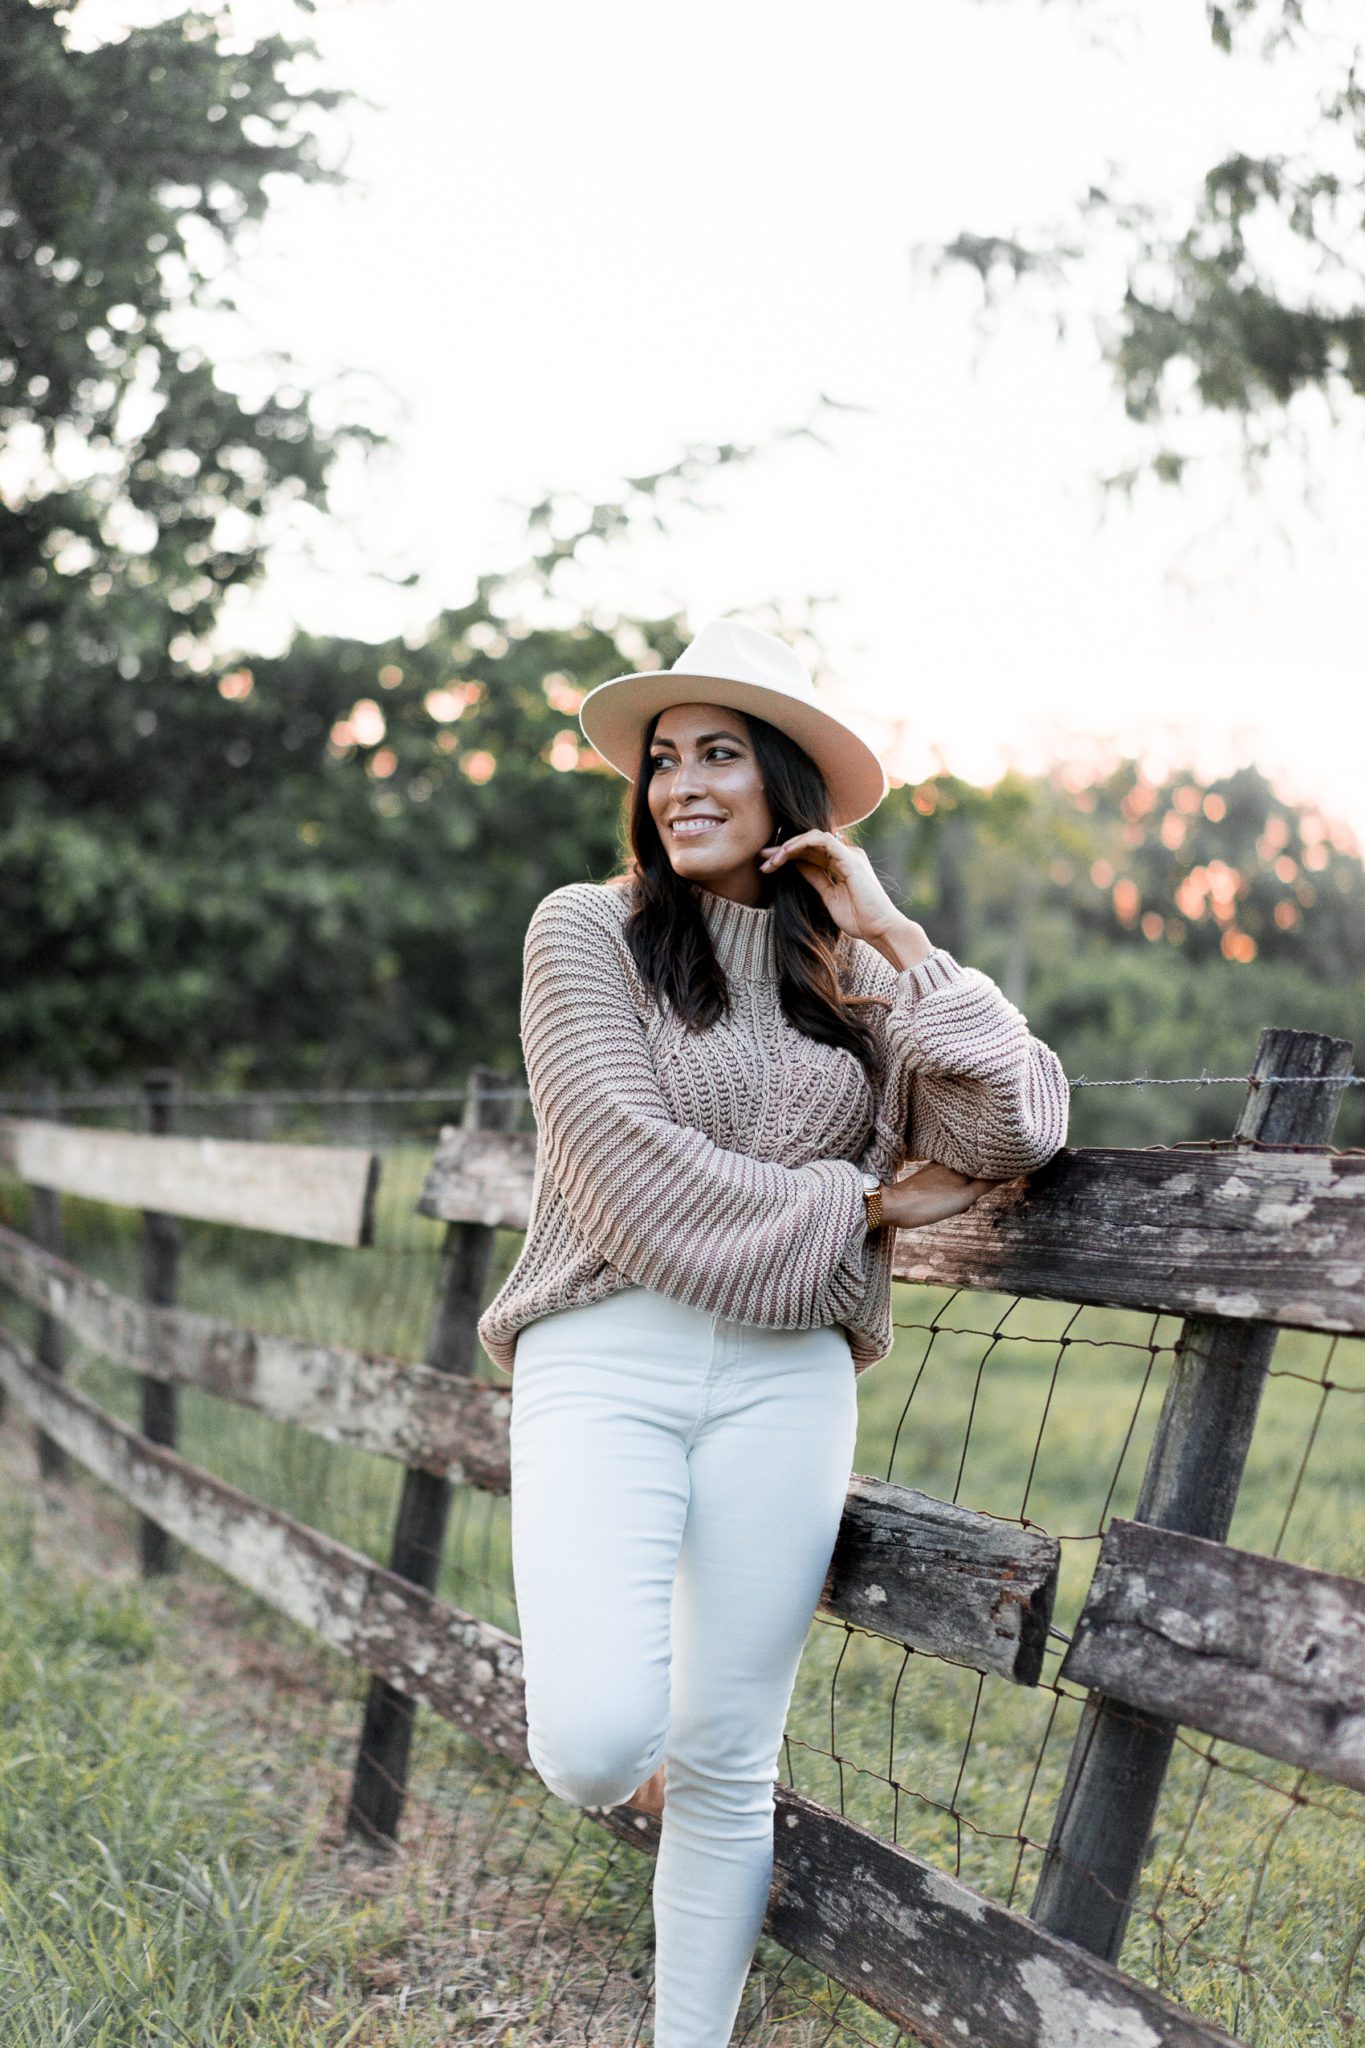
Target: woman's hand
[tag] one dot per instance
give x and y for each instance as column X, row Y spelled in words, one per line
column 930, row 1194
column 852, row 894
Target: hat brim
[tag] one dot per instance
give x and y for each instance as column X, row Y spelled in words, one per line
column 614, row 715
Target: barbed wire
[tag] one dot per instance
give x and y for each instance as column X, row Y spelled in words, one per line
column 206, row 1098
column 126, row 1098
column 1223, row 1081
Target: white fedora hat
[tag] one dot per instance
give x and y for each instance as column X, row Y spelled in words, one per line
column 729, row 662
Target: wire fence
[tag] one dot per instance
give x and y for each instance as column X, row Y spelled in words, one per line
column 1039, row 1414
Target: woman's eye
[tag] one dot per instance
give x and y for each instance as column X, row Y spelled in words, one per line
column 658, row 760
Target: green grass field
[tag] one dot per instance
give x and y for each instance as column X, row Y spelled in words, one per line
column 149, row 1892
column 1252, row 1896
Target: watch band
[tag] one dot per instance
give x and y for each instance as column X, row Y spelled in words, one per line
column 872, row 1195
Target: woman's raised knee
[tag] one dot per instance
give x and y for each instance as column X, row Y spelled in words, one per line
column 597, row 1759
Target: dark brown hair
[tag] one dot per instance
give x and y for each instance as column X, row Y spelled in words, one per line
column 667, row 932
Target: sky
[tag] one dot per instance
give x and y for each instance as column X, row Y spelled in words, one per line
column 579, row 239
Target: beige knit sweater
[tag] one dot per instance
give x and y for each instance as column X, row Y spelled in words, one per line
column 723, row 1168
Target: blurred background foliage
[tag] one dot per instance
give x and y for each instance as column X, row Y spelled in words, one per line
column 317, row 868
column 1220, row 306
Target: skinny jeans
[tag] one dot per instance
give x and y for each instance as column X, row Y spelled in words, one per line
column 677, row 1485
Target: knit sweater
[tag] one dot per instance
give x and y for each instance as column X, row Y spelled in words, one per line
column 723, row 1167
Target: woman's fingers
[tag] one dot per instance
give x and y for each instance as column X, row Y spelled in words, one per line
column 932, row 1194
column 825, row 852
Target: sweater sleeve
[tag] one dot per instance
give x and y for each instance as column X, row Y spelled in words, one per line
column 966, row 1082
column 782, row 1247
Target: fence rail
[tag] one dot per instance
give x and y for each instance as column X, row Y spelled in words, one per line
column 1177, row 1627
column 321, row 1192
column 1267, row 1654
column 1247, row 1236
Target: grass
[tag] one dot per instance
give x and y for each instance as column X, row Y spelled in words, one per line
column 174, row 1764
column 1251, row 1897
column 148, row 1890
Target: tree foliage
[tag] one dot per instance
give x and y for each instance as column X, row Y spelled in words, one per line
column 137, row 486
column 318, row 867
column 137, row 481
column 1212, row 315
column 324, row 875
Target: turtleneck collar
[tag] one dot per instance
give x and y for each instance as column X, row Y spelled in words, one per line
column 741, row 934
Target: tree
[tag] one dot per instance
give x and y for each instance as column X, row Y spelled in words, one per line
column 127, row 174
column 1211, row 317
column 139, row 486
column 314, row 867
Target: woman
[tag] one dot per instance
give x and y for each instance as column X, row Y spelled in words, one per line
column 732, row 1051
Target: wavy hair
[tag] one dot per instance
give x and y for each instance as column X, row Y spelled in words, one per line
column 667, row 931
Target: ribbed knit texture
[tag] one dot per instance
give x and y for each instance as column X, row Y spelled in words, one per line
column 723, row 1168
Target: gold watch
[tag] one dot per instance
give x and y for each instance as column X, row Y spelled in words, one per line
column 872, row 1195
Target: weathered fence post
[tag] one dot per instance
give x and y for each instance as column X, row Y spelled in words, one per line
column 1118, row 1760
column 379, row 1785
column 50, row 1343
column 161, row 1241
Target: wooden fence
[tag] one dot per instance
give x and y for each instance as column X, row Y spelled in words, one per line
column 1177, row 1629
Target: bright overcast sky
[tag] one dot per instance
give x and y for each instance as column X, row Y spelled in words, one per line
column 584, row 236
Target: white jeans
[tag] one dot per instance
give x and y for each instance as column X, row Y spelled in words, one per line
column 677, row 1485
